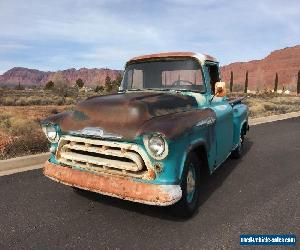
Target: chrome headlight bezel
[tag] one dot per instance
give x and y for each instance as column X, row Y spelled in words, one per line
column 51, row 132
column 156, row 145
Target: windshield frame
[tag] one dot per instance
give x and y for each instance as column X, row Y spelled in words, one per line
column 124, row 88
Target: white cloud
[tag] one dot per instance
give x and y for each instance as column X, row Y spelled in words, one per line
column 65, row 33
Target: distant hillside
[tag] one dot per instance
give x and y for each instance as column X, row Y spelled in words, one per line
column 286, row 62
column 36, row 77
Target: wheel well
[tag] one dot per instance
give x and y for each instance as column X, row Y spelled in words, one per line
column 201, row 153
column 245, row 128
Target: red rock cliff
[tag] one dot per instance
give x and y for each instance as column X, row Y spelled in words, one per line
column 286, row 62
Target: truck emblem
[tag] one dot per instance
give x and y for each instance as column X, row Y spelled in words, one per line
column 95, row 132
column 90, row 131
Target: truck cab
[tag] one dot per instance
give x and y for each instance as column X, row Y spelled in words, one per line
column 154, row 140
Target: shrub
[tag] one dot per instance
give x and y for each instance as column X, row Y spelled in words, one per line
column 9, row 101
column 25, row 136
column 21, row 101
column 22, row 127
column 49, row 85
column 79, row 83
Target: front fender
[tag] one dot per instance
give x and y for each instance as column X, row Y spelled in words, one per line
column 240, row 117
column 179, row 149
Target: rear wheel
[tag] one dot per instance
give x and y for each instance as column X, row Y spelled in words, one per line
column 190, row 186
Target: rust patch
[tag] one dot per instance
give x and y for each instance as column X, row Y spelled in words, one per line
column 175, row 124
column 122, row 114
column 119, row 187
column 166, row 55
column 163, row 55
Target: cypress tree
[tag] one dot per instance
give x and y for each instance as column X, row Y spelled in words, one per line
column 246, row 83
column 276, row 83
column 298, row 83
column 231, row 81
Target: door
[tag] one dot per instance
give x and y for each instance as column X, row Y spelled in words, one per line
column 224, row 113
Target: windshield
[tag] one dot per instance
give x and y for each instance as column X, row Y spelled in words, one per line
column 183, row 74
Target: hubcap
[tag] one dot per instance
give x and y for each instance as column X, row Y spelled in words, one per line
column 190, row 183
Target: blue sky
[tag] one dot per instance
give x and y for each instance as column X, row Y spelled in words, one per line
column 60, row 34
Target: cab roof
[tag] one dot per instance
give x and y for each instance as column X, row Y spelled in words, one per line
column 200, row 57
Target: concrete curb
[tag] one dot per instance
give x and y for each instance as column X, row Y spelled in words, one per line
column 273, row 118
column 31, row 162
column 23, row 161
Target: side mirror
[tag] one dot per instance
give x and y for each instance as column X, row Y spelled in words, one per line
column 220, row 89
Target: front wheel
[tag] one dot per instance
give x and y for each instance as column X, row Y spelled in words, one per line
column 190, row 186
column 238, row 152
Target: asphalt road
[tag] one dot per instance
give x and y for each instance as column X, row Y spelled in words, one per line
column 257, row 194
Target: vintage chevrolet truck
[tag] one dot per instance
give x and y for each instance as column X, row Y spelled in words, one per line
column 154, row 140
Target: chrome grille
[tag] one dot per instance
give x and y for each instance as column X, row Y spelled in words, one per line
column 97, row 155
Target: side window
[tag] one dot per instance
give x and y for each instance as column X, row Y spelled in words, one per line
column 213, row 71
column 135, row 78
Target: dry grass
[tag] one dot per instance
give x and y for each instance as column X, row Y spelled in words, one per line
column 10, row 97
column 270, row 106
column 34, row 112
column 20, row 131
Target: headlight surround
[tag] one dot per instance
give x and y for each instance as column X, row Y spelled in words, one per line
column 156, row 146
column 51, row 133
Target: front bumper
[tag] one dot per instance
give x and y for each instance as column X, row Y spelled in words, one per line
column 116, row 186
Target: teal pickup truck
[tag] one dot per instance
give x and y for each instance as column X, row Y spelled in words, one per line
column 154, row 140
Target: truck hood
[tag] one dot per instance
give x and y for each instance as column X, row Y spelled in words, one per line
column 123, row 115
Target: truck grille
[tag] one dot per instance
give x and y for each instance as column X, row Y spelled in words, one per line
column 97, row 156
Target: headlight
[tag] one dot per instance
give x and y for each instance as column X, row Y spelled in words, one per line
column 51, row 133
column 156, row 146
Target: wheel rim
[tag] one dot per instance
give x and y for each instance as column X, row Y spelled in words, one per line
column 190, row 183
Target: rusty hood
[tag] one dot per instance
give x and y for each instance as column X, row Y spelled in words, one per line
column 126, row 114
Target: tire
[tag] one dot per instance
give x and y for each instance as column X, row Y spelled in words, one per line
column 190, row 186
column 238, row 152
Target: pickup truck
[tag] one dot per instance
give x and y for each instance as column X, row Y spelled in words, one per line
column 153, row 142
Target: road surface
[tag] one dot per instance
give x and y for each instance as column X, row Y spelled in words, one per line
column 256, row 194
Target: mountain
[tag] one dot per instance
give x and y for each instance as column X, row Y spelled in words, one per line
column 28, row 77
column 285, row 62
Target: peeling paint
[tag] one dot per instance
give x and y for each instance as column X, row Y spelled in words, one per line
column 120, row 187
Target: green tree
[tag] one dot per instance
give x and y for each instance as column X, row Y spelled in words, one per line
column 79, row 83
column 116, row 83
column 246, row 83
column 119, row 79
column 298, row 83
column 231, row 81
column 99, row 89
column 49, row 85
column 108, row 84
column 19, row 87
column 61, row 87
column 276, row 83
